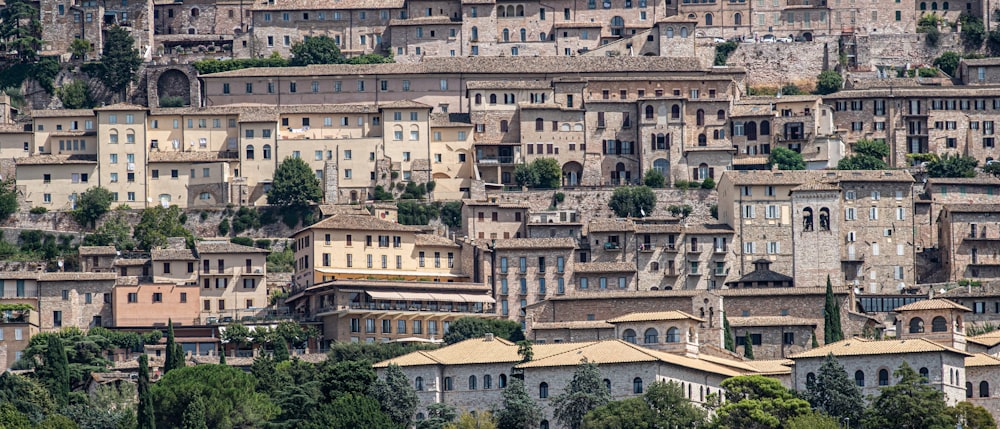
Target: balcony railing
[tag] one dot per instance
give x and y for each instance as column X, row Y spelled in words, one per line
column 612, row 246
column 496, row 160
column 646, row 247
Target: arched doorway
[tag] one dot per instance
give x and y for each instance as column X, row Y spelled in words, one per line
column 662, row 166
column 571, row 172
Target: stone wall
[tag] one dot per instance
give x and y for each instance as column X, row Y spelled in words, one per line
column 593, row 203
column 800, row 61
column 901, row 49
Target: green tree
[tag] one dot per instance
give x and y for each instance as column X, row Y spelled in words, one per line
column 792, row 89
column 671, row 408
column 481, row 420
column 516, row 409
column 832, row 329
column 654, row 179
column 758, row 402
column 26, row 395
column 348, row 411
column 747, row 345
column 952, row 165
column 729, row 340
column 910, row 403
column 948, row 62
column 477, row 327
column 372, row 59
column 228, row 393
column 79, row 49
column 20, row 30
column 828, row 82
column 451, row 214
column 13, row 419
column 973, row 31
column 525, row 175
column 439, row 415
column 867, row 155
column 57, row 421
column 157, row 224
column 993, row 169
column 316, row 50
column 281, row 350
column 993, row 43
column 813, row 421
column 146, row 419
column 396, row 396
column 722, row 51
column 295, row 187
column 115, row 231
column 972, row 416
column 786, row 159
column 174, row 357
column 120, row 60
column 237, row 334
column 631, row 413
column 54, row 373
column 91, row 205
column 194, row 415
column 75, row 95
column 8, row 198
column 834, row 393
column 585, row 392
column 542, row 173
column 632, row 201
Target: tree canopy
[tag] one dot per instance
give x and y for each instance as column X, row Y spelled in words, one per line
column 542, row 173
column 116, row 230
column 228, row 393
column 91, row 205
column 758, row 402
column 948, row 62
column 21, row 30
column 585, row 392
column 952, row 165
column 396, row 396
column 316, row 50
column 867, row 155
column 828, row 82
column 786, row 159
column 632, row 201
column 834, row 393
column 516, row 409
column 120, row 59
column 910, row 403
column 476, row 327
column 832, row 329
column 654, row 179
column 295, row 188
column 157, row 224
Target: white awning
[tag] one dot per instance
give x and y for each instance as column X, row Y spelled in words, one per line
column 479, row 298
column 384, row 295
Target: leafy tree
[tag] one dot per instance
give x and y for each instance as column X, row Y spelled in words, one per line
column 237, row 334
column 20, row 30
column 146, row 419
column 868, row 155
column 91, row 205
column 729, row 340
column 120, row 60
column 786, row 159
column 295, row 186
column 524, row 175
column 747, row 345
column 281, row 350
column 542, row 173
column 632, row 413
column 722, row 51
column 993, row 169
column 758, row 402
column 57, row 421
column 973, row 31
column 516, row 409
column 585, row 392
column 670, row 408
column 75, row 95
column 832, row 329
column 476, row 327
column 524, row 350
column 681, row 211
column 26, row 396
column 416, row 213
column 972, row 416
column 834, row 393
column 815, row 342
column 481, row 420
column 813, row 421
column 8, row 198
column 792, row 89
column 157, row 224
column 828, row 82
column 194, row 415
column 952, row 165
column 632, row 201
column 115, row 231
column 993, row 42
column 372, row 59
column 372, row 353
column 348, row 412
column 316, row 50
column 13, row 419
column 54, row 372
column 948, row 62
column 228, row 393
column 908, row 404
column 654, row 179
column 439, row 415
column 84, row 353
column 451, row 214
column 109, row 406
column 396, row 396
column 79, row 49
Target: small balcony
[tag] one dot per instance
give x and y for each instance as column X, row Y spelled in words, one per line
column 496, row 160
column 670, row 247
column 646, row 247
column 612, row 246
column 722, row 249
column 694, row 248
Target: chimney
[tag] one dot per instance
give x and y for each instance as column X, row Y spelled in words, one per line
column 489, row 337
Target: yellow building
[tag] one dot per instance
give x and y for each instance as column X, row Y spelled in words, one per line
column 121, row 153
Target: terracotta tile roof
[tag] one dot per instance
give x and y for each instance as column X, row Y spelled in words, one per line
column 62, row 277
column 76, row 133
column 578, row 25
column 433, row 240
column 773, row 321
column 981, row 179
column 708, row 228
column 259, row 114
column 933, row 304
column 431, row 287
column 404, row 104
column 742, row 110
column 423, row 20
column 127, row 262
column 784, row 291
column 981, row 61
column 535, row 243
column 450, row 120
column 611, row 225
column 972, row 208
column 330, row 5
column 362, row 223
column 59, row 113
column 343, row 209
column 488, row 65
column 172, row 255
column 576, row 324
column 56, row 159
column 863, row 347
column 604, row 267
column 121, row 106
column 618, row 351
column 509, row 84
column 980, row 360
column 213, row 247
column 655, row 316
column 914, row 92
column 771, row 367
column 97, row 250
column 816, row 186
column 189, row 156
column 762, row 177
column 989, row 339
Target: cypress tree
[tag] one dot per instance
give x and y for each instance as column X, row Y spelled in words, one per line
column 815, row 342
column 179, row 357
column 281, row 350
column 194, row 415
column 171, row 360
column 730, row 342
column 747, row 345
column 55, row 370
column 832, row 331
column 145, row 411
column 222, row 356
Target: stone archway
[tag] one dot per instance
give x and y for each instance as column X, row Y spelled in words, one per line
column 173, row 81
column 571, row 172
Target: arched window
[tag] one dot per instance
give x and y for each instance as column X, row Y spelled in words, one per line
column 737, row 19
column 968, row 389
column 418, row 384
column 916, row 325
column 607, row 385
column 249, row 151
column 859, row 378
column 675, row 111
column 195, row 12
column 939, row 324
column 700, row 117
column 267, row 151
column 544, row 424
column 883, row 377
column 487, row 381
column 506, row 35
column 810, row 380
column 475, row 33
column 448, row 385
column 673, row 335
column 824, row 219
column 765, row 128
column 654, row 266
column 708, row 19
column 520, row 10
column 479, row 99
column 493, row 99
column 420, row 416
column 651, row 336
column 670, row 32
column 750, row 128
column 720, row 115
column 637, row 386
column 502, row 382
column 524, row 34
column 539, row 124
column 684, row 31
column 925, row 375
column 944, row 5
column 510, row 11
column 984, row 389
column 934, row 5
column 923, row 5
column 543, row 390
column 628, row 336
column 703, row 172
column 702, row 140
column 807, row 219
column 541, row 36
column 472, row 382
column 503, row 126
column 649, row 112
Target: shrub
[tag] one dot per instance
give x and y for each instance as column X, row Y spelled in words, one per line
column 172, row 101
column 828, row 82
column 654, row 179
column 224, row 227
column 681, row 184
column 263, row 243
column 926, row 72
column 722, row 52
column 680, row 210
column 948, row 61
column 708, row 183
column 39, row 210
column 243, row 241
column 559, row 197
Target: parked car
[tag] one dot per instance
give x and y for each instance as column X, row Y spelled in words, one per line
column 785, row 39
column 768, row 38
column 719, row 40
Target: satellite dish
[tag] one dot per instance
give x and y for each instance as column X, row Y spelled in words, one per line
column 60, row 263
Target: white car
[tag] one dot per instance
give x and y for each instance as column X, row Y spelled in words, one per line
column 719, row 40
column 768, row 38
column 785, row 39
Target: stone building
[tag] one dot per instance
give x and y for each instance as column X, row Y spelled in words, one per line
column 938, row 193
column 529, row 270
column 967, row 236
